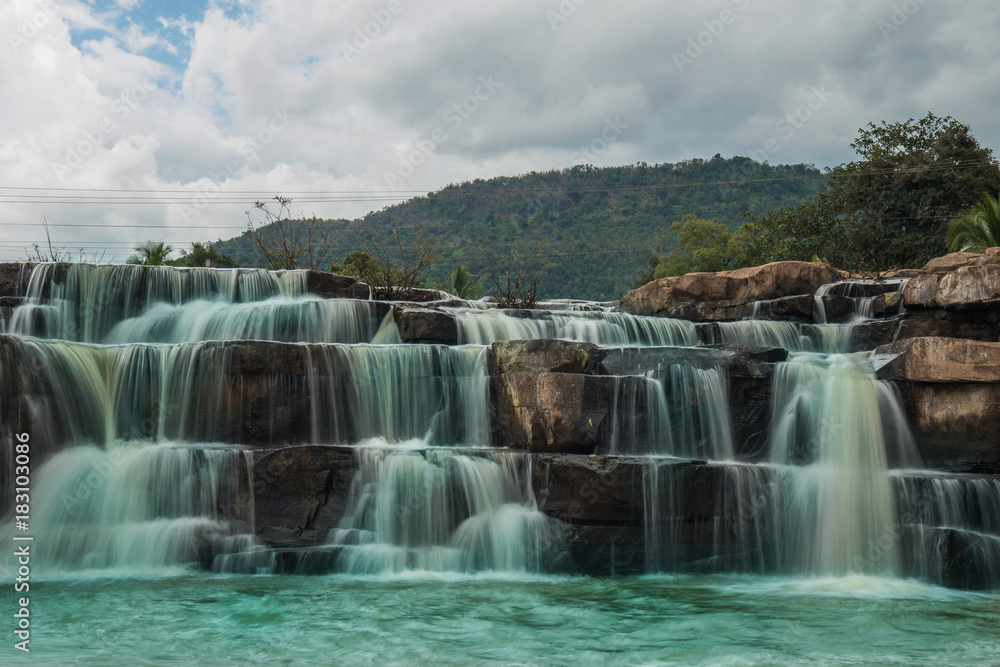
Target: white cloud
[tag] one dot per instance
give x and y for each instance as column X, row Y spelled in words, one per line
column 345, row 118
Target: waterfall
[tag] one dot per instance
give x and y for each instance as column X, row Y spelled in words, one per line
column 602, row 327
column 133, row 380
column 84, row 302
column 432, row 509
column 826, row 424
column 679, row 411
column 942, row 515
column 211, row 391
column 287, row 319
column 142, row 506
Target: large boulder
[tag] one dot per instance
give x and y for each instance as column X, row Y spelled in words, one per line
column 565, row 412
column 712, row 296
column 951, row 394
column 536, row 356
column 332, row 286
column 426, row 325
column 941, row 360
column 960, row 280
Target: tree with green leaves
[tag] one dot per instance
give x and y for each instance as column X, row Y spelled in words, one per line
column 203, row 254
column 356, row 263
column 464, row 285
column 887, row 209
column 977, row 229
column 150, row 253
column 702, row 245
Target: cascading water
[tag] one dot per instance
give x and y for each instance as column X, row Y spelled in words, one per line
column 142, row 506
column 827, row 425
column 936, row 509
column 122, row 374
column 434, row 509
column 602, row 327
column 287, row 319
column 84, row 302
column 675, row 410
column 195, row 392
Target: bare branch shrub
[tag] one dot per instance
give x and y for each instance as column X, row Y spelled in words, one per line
column 287, row 243
column 515, row 281
column 392, row 279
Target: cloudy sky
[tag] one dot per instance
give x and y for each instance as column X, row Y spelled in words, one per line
column 127, row 120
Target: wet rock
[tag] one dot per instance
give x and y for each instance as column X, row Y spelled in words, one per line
column 609, row 490
column 332, row 286
column 14, row 277
column 873, row 333
column 563, row 412
column 599, row 489
column 951, row 394
column 299, row 489
column 426, row 325
column 887, row 304
column 412, row 295
column 598, row 551
column 956, row 425
column 949, row 557
column 837, row 308
column 971, row 324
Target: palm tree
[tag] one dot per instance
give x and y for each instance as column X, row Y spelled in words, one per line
column 150, row 253
column 464, row 285
column 977, row 229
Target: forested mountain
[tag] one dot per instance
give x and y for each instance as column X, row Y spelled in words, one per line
column 596, row 224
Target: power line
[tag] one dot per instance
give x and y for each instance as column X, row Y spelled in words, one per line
column 335, row 196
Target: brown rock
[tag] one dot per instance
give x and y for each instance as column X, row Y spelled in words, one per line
column 941, row 360
column 563, row 412
column 887, row 304
column 956, row 426
column 953, row 261
column 14, row 277
column 697, row 294
column 426, row 325
column 332, row 286
column 586, row 489
column 304, row 488
column 901, row 273
column 604, row 489
column 975, row 286
column 525, row 356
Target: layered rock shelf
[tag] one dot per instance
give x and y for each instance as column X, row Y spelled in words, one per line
column 586, row 424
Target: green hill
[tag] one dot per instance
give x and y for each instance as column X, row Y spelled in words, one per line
column 597, row 224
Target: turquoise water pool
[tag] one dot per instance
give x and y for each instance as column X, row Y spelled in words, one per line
column 430, row 618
